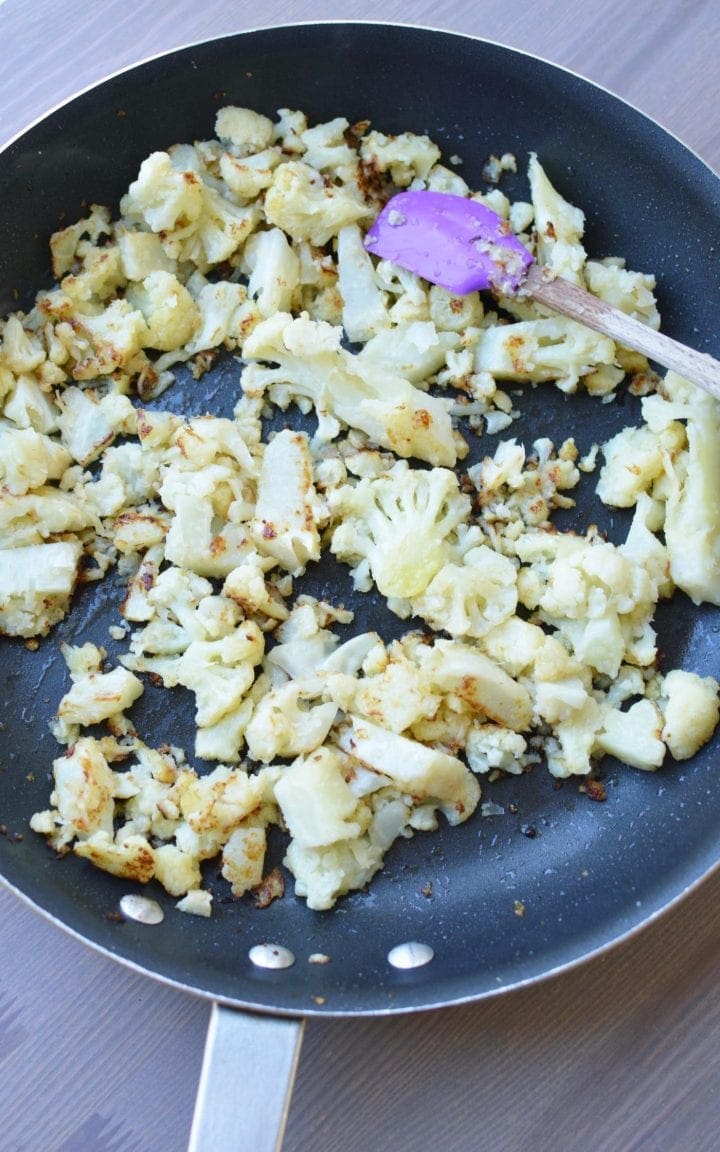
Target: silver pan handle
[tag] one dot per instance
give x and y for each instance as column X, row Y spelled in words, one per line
column 246, row 1082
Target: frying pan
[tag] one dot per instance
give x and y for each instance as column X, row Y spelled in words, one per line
column 585, row 874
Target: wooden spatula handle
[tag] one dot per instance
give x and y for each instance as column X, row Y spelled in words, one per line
column 577, row 304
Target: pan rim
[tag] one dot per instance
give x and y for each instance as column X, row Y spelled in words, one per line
column 429, row 28
column 329, row 1013
column 554, row 970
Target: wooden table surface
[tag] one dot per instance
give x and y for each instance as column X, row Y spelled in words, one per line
column 620, row 1055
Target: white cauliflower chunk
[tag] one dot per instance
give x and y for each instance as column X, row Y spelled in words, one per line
column 634, row 737
column 311, row 363
column 559, row 226
column 471, row 598
column 99, row 696
column 132, row 858
column 364, row 303
column 274, row 271
column 554, row 349
column 406, row 157
column 89, row 424
column 301, row 203
column 397, row 526
column 36, row 583
column 415, row 350
column 196, row 903
column 415, row 769
column 288, row 509
column 690, row 709
column 316, row 802
column 634, row 460
column 692, row 515
column 460, row 668
column 82, row 798
column 243, row 857
column 490, row 746
column 284, row 723
column 220, row 672
column 630, row 292
column 195, row 222
column 169, row 310
column 28, row 459
column 246, row 130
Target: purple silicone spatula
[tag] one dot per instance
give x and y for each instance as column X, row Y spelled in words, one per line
column 464, row 246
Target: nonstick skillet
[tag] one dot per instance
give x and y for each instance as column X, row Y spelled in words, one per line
column 584, row 874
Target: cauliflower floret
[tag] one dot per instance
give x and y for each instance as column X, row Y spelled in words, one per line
column 323, row 874
column 288, row 509
column 243, row 858
column 83, row 796
column 407, row 157
column 422, row 772
column 20, row 351
column 471, row 598
column 690, row 709
column 631, row 292
column 364, row 311
column 634, row 459
column 132, row 857
column 692, row 511
column 553, row 349
column 170, row 312
column 245, row 129
column 280, row 726
column 99, row 696
column 399, row 524
column 311, row 363
column 142, row 255
column 559, row 226
column 88, row 423
column 28, row 459
column 317, row 805
column 250, row 176
column 634, row 737
column 451, row 666
column 195, row 222
column 220, row 672
column 36, row 583
column 489, row 747
column 64, row 243
column 274, row 271
column 196, row 903
column 415, row 351
column 246, row 585
column 177, row 871
column 213, row 806
column 301, row 203
column 108, row 341
column 226, row 316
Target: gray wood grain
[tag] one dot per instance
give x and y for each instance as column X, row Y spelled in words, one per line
column 620, row 1055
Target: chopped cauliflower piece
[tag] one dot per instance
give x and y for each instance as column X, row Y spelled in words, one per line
column 398, row 526
column 311, row 363
column 554, row 349
column 36, row 583
column 634, row 737
column 690, row 709
column 301, row 203
column 82, row 797
column 288, row 509
column 412, row 767
column 316, row 802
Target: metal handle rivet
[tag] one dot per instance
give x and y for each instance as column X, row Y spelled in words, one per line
column 141, row 908
column 271, row 956
column 410, row 955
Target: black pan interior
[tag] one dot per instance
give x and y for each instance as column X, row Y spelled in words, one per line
column 593, row 871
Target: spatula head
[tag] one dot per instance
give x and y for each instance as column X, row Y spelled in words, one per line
column 451, row 241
